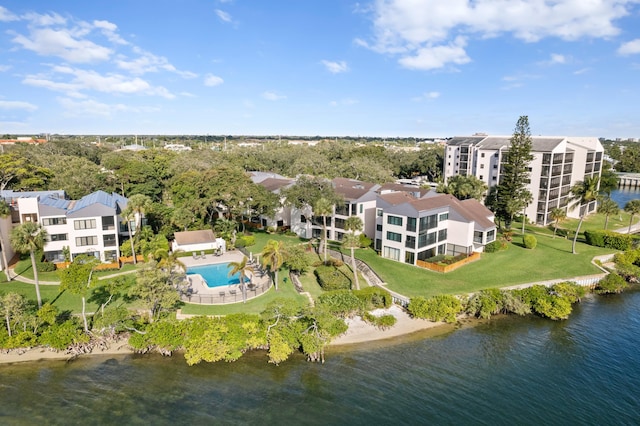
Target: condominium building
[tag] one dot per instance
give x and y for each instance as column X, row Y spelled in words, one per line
column 91, row 225
column 558, row 164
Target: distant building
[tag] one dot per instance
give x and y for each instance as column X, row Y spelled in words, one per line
column 558, row 163
column 177, row 147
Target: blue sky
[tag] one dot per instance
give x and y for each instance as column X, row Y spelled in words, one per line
column 422, row 68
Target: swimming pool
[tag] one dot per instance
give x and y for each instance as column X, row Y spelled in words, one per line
column 215, row 275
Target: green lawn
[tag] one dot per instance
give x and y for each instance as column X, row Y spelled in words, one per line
column 552, row 258
column 262, row 237
column 24, row 269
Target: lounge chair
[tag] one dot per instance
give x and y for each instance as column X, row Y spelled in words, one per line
column 202, row 255
column 195, row 255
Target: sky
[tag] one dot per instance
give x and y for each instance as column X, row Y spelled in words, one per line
column 387, row 68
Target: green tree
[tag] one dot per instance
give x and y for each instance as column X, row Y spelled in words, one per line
column 608, row 207
column 5, row 211
column 351, row 241
column 243, row 270
column 608, row 179
column 464, row 187
column 273, row 257
column 136, row 206
column 512, row 193
column 30, row 237
column 633, row 208
column 323, row 207
column 20, row 173
column 583, row 193
column 78, row 278
column 297, row 259
column 158, row 289
column 12, row 307
column 557, row 215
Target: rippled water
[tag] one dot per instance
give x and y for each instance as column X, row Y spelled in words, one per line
column 509, row 371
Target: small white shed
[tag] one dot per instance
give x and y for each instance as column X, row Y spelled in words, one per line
column 197, row 241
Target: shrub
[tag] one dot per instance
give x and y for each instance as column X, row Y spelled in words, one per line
column 530, row 241
column 61, row 336
column 290, row 233
column 374, row 297
column 609, row 239
column 340, row 302
column 594, row 238
column 570, row 290
column 485, row 303
column 495, row 246
column 383, row 322
column 365, row 241
column 438, row 308
column 46, row 266
column 331, row 278
column 612, row 283
column 553, row 307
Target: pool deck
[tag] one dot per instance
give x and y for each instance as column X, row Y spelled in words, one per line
column 200, row 288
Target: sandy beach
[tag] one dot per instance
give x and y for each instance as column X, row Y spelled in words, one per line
column 359, row 332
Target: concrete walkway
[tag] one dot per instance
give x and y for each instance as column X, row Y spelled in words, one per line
column 31, row 281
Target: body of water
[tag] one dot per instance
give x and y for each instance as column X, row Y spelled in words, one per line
column 623, row 195
column 509, row 371
column 215, row 275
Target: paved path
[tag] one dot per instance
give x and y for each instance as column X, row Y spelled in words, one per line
column 30, row 281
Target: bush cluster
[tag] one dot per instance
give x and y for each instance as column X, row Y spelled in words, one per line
column 331, row 278
column 609, row 239
column 495, row 246
column 374, row 297
column 245, row 241
column 438, row 308
column 530, row 241
column 382, row 322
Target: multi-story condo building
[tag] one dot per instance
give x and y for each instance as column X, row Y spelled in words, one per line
column 91, row 225
column 410, row 229
column 558, row 164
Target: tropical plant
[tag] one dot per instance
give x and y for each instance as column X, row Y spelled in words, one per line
column 5, row 210
column 583, row 193
column 557, row 215
column 273, row 257
column 136, row 206
column 243, row 270
column 78, row 278
column 323, row 207
column 12, row 306
column 30, row 237
column 351, row 241
column 633, row 208
column 608, row 207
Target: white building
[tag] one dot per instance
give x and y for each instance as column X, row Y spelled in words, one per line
column 558, row 164
column 91, row 225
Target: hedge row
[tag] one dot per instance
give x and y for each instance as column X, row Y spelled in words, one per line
column 608, row 239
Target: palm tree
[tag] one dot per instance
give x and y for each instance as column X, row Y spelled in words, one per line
column 557, row 215
column 583, row 193
column 273, row 258
column 324, row 208
column 352, row 241
column 633, row 208
column 5, row 210
column 608, row 207
column 30, row 237
column 243, row 269
column 136, row 206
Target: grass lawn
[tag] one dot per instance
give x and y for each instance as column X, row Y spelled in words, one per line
column 262, row 237
column 24, row 269
column 552, row 258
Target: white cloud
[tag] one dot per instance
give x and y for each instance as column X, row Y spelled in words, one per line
column 630, row 48
column 272, row 96
column 581, row 71
column 224, row 16
column 4, row 68
column 421, row 32
column 148, row 62
column 212, row 80
column 345, row 101
column 188, row 95
column 44, row 20
column 335, row 67
column 17, row 105
column 90, row 107
column 558, row 59
column 432, row 95
column 63, row 43
column 110, row 30
column 6, row 16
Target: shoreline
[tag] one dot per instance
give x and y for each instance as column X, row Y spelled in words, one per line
column 359, row 332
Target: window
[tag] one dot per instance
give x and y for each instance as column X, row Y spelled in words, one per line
column 491, row 235
column 361, row 208
column 110, row 240
column 54, row 221
column 394, row 220
column 409, row 257
column 58, row 237
column 482, row 155
column 108, row 223
column 481, row 177
column 379, row 227
column 427, row 239
column 442, row 235
column 410, row 242
column 411, row 224
column 391, row 253
column 442, row 249
column 428, row 222
column 443, row 217
column 303, row 219
column 111, row 255
column 87, row 241
column 482, row 166
column 477, row 237
column 394, row 236
column 379, row 212
column 84, row 224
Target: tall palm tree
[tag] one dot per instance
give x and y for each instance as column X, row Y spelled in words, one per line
column 557, row 215
column 5, row 210
column 243, row 269
column 583, row 193
column 30, row 237
column 136, row 206
column 352, row 241
column 608, row 207
column 273, row 258
column 633, row 208
column 323, row 207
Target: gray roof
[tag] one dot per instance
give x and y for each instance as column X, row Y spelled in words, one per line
column 194, row 237
column 538, row 143
column 352, row 189
column 465, row 140
column 98, row 203
column 9, row 194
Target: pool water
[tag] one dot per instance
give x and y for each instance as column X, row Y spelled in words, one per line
column 215, row 275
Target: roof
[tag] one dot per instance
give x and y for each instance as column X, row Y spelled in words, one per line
column 275, row 184
column 479, row 213
column 194, row 237
column 113, row 201
column 9, row 194
column 258, row 177
column 352, row 189
column 416, row 191
column 538, row 143
column 395, row 198
column 471, row 210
